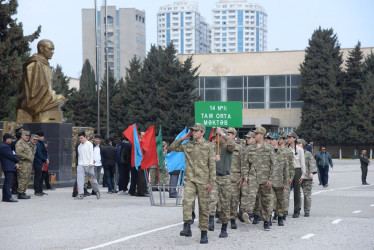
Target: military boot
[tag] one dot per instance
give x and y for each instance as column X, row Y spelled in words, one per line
column 256, row 219
column 186, row 230
column 223, row 233
column 23, row 196
column 296, row 214
column 211, row 223
column 240, row 216
column 275, row 217
column 193, row 217
column 284, row 217
column 266, row 226
column 280, row 221
column 204, row 237
column 270, row 222
column 233, row 224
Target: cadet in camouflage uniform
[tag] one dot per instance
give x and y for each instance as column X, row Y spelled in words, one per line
column 25, row 151
column 280, row 178
column 306, row 184
column 200, row 175
column 235, row 177
column 258, row 171
column 244, row 189
column 223, row 183
column 291, row 171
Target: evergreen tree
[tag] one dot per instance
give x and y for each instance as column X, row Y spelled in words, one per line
column 118, row 113
column 87, row 82
column 321, row 75
column 362, row 113
column 368, row 65
column 353, row 75
column 14, row 47
column 60, row 82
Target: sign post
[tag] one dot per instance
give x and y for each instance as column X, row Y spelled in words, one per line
column 219, row 114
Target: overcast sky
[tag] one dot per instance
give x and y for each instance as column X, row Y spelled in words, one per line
column 290, row 23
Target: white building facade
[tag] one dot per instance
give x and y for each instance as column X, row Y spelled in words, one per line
column 182, row 24
column 238, row 26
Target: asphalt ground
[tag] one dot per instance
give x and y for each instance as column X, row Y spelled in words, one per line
column 342, row 217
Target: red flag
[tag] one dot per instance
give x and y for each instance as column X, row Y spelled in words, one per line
column 211, row 134
column 148, row 144
column 131, row 134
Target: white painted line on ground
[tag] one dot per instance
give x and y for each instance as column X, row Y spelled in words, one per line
column 336, row 221
column 134, row 236
column 308, row 236
column 356, row 212
column 372, row 205
column 329, row 190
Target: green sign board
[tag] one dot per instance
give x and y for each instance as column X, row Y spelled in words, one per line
column 219, row 114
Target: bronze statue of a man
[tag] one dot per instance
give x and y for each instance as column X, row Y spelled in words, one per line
column 37, row 102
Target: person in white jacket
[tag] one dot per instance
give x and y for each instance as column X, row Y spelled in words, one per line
column 86, row 166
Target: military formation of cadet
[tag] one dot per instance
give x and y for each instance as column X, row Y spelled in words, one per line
column 19, row 157
column 248, row 182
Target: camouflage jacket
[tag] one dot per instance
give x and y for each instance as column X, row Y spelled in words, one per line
column 200, row 160
column 310, row 165
column 281, row 174
column 25, row 152
column 291, row 169
column 259, row 163
column 237, row 163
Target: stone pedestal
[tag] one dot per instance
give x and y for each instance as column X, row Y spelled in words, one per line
column 60, row 150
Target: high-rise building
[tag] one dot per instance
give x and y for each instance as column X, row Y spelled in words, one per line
column 238, row 26
column 126, row 38
column 182, row 24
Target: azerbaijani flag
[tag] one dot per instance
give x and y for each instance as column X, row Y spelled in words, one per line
column 131, row 134
column 175, row 160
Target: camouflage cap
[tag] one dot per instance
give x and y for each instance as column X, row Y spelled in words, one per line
column 301, row 141
column 260, row 130
column 231, row 130
column 292, row 134
column 25, row 132
column 198, row 126
column 282, row 134
column 250, row 134
column 35, row 137
column 275, row 136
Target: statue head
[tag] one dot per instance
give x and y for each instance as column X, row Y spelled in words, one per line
column 46, row 48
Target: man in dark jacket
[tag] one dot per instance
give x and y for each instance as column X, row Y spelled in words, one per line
column 109, row 163
column 364, row 166
column 39, row 160
column 13, row 147
column 9, row 164
column 323, row 160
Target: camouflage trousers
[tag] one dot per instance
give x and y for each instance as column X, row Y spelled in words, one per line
column 23, row 177
column 221, row 195
column 278, row 200
column 160, row 174
column 234, row 200
column 191, row 189
column 296, row 190
column 265, row 198
column 306, row 185
column 286, row 194
column 258, row 207
column 243, row 198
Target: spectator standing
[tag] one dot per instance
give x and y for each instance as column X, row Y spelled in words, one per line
column 97, row 150
column 364, row 166
column 323, row 161
column 109, row 163
column 85, row 166
column 39, row 160
column 45, row 174
column 126, row 164
column 9, row 164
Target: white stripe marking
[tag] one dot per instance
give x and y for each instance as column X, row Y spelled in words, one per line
column 372, row 205
column 336, row 221
column 134, row 236
column 305, row 237
column 356, row 212
column 162, row 228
